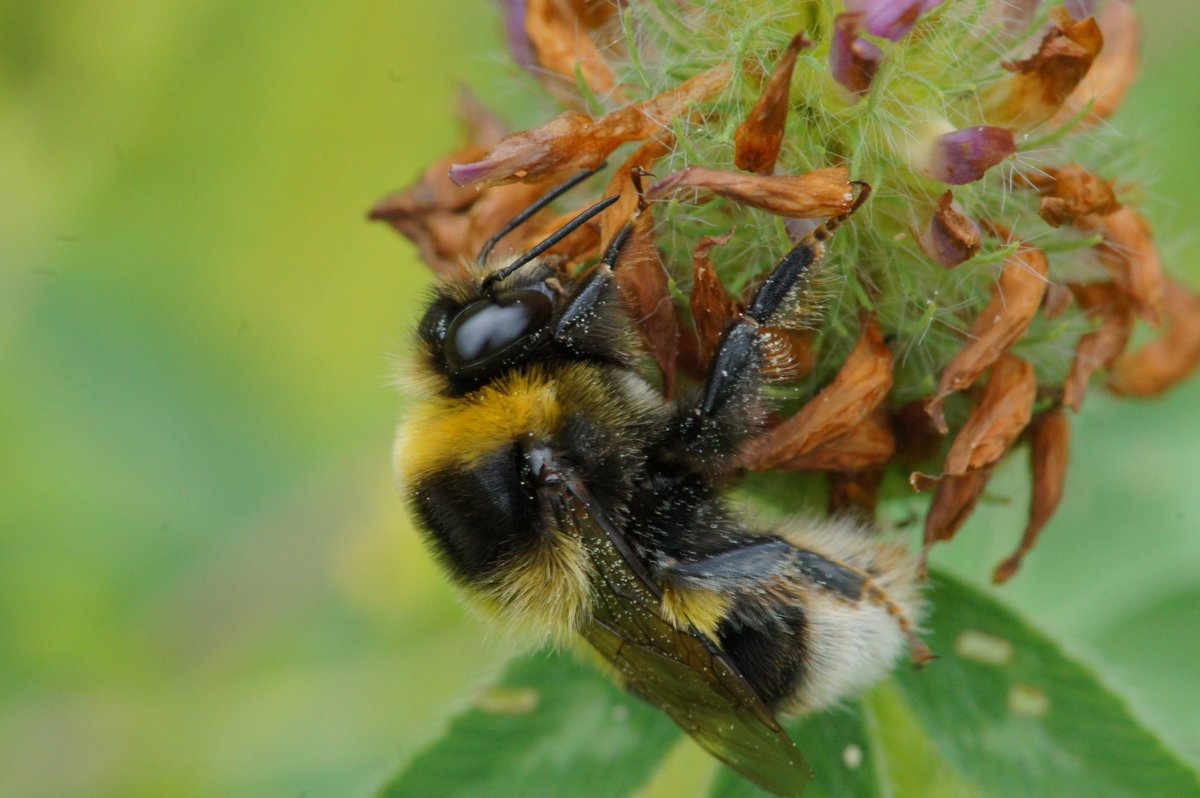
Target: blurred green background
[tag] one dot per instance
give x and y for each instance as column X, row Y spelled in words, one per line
column 207, row 584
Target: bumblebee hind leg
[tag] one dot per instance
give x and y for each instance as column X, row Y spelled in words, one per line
column 817, row 614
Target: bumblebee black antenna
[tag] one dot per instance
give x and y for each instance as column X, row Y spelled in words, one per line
column 550, row 240
column 525, row 215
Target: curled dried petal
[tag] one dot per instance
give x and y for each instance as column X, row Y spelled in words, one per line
column 1112, row 310
column 891, row 19
column 712, row 306
column 432, row 212
column 951, row 237
column 1015, row 299
column 1049, row 454
column 1129, row 254
column 953, row 502
column 647, row 293
column 853, row 60
column 998, row 419
column 758, row 139
column 822, row 192
column 1113, row 71
column 557, row 34
column 870, row 444
column 574, row 141
column 964, row 156
column 496, row 207
column 1041, row 83
column 1165, row 361
column 861, row 384
column 1070, row 192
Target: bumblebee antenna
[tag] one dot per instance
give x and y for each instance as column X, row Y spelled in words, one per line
column 558, row 235
column 525, row 215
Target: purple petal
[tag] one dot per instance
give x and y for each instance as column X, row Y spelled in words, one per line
column 464, row 174
column 964, row 155
column 891, row 19
column 519, row 46
column 852, row 59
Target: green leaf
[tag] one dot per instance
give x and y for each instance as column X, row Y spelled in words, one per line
column 1014, row 716
column 1003, row 712
column 552, row 726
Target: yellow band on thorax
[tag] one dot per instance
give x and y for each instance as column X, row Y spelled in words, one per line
column 440, row 433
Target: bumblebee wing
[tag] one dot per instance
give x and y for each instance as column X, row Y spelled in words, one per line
column 680, row 671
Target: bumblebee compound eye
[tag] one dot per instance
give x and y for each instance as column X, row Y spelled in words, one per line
column 496, row 329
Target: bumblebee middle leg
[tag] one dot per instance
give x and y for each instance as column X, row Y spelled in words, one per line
column 730, row 405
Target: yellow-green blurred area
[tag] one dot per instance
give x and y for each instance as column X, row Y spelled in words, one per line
column 207, row 582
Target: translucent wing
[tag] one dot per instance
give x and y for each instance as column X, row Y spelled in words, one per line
column 680, row 671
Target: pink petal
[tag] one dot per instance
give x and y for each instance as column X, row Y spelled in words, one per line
column 891, row 19
column 852, row 59
column 963, row 156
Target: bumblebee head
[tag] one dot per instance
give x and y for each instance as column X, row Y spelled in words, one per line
column 477, row 330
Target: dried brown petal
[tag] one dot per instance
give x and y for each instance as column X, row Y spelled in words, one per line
column 1174, row 355
column 558, row 32
column 1015, row 299
column 1042, row 82
column 869, row 444
column 758, row 139
column 647, row 293
column 951, row 237
column 1129, row 254
column 1111, row 309
column 580, row 245
column 952, row 505
column 496, row 207
column 432, row 212
column 1072, row 192
column 997, row 420
column 861, row 384
column 822, row 192
column 855, row 494
column 712, row 306
column 1049, row 454
column 853, row 60
column 1113, row 71
column 917, row 440
column 575, row 141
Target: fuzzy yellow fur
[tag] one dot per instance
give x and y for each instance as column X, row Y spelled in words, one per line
column 683, row 606
column 440, row 433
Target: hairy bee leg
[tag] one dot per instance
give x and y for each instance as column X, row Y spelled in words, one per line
column 737, row 365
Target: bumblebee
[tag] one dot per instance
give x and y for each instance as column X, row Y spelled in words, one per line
column 557, row 487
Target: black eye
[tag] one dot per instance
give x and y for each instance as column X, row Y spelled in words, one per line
column 490, row 328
